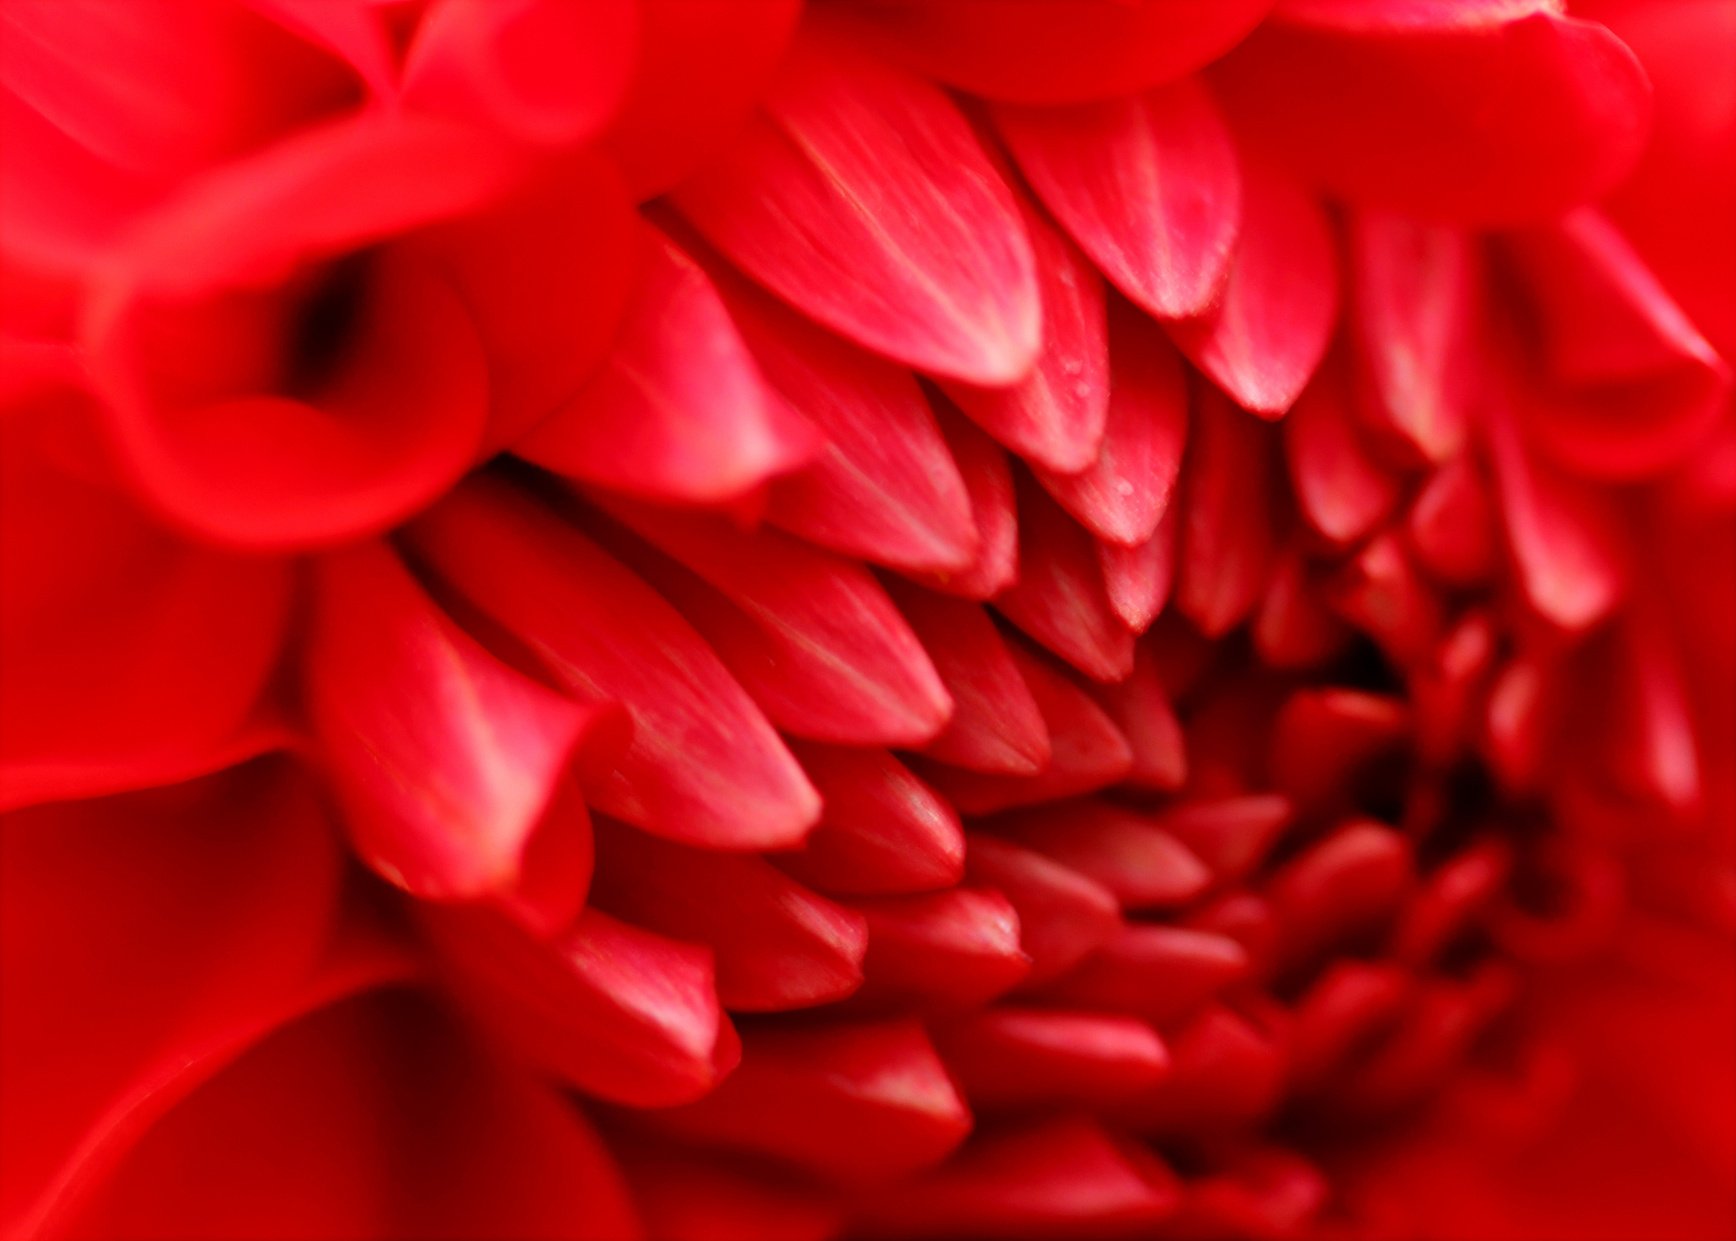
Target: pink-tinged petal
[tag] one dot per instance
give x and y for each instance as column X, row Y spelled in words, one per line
column 884, row 486
column 686, row 1196
column 1044, row 1179
column 1262, row 340
column 949, row 950
column 1227, row 1075
column 1140, row 707
column 861, row 195
column 1413, row 294
column 539, row 71
column 1653, row 742
column 292, row 1141
column 810, row 635
column 131, row 658
column 1398, row 16
column 1159, row 974
column 1294, row 627
column 545, row 276
column 1063, row 916
column 1227, row 534
column 1056, row 51
column 678, row 411
column 1086, row 751
column 703, row 766
column 1340, row 488
column 1559, row 532
column 1149, row 186
column 777, row 945
column 617, row 1011
column 988, row 482
column 1478, row 121
column 1352, row 879
column 1451, row 525
column 1124, row 493
column 1633, row 385
column 443, row 758
column 995, row 724
column 1059, row 599
column 176, row 942
column 864, row 1102
column 108, row 110
column 883, row 830
column 1325, row 739
column 1517, row 721
column 1138, row 579
column 1122, row 849
column 1054, row 416
column 1007, row 1057
column 700, row 67
column 1232, row 835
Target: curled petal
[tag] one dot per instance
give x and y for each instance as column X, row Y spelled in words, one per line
column 147, row 656
column 862, row 197
column 703, row 765
column 1149, row 186
column 1475, row 121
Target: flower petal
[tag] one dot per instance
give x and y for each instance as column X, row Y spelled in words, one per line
column 883, row 830
column 1262, row 341
column 1122, row 495
column 444, row 758
column 955, row 949
column 988, row 481
column 810, row 635
column 1057, row 51
column 1063, row 916
column 678, row 411
column 1024, row 1057
column 703, row 766
column 1227, row 536
column 1149, row 186
column 1124, row 850
column 1474, row 121
column 777, row 945
column 862, row 197
column 1342, row 490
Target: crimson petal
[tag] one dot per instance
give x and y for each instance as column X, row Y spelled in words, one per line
column 703, row 766
column 862, row 196
column 1149, row 186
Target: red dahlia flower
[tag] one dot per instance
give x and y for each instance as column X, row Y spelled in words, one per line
column 701, row 619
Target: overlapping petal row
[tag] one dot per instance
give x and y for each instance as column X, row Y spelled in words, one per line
column 688, row 619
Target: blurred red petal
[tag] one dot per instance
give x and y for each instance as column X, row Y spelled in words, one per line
column 1141, row 709
column 1156, row 973
column 703, row 766
column 865, row 1102
column 777, row 945
column 1149, row 187
column 541, row 71
column 1122, row 849
column 1022, row 1057
column 988, row 482
column 617, row 1011
column 1063, row 916
column 1478, row 121
column 956, row 949
column 862, row 196
column 1340, row 487
column 1227, row 533
column 1056, row 51
column 1138, row 580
